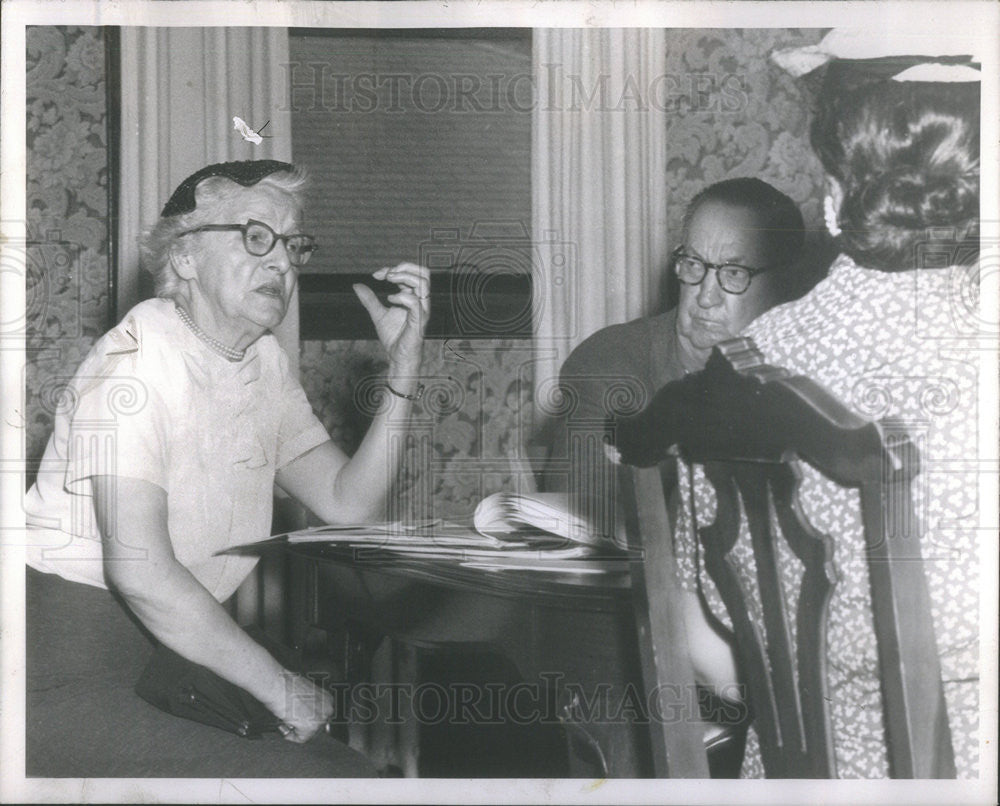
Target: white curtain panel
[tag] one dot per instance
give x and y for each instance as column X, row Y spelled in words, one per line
column 598, row 183
column 181, row 88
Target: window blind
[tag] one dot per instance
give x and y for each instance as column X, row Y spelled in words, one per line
column 411, row 136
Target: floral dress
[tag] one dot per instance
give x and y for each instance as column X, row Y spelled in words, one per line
column 899, row 347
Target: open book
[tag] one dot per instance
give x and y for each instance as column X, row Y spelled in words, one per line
column 517, row 515
column 509, row 530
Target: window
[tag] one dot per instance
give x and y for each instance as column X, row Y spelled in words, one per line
column 418, row 143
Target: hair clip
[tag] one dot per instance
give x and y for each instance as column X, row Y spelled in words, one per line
column 248, row 133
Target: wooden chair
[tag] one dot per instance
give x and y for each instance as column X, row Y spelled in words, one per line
column 748, row 424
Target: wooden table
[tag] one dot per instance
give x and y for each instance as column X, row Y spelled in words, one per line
column 570, row 639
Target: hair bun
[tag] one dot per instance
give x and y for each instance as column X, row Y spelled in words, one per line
column 914, row 200
column 948, row 199
column 907, row 157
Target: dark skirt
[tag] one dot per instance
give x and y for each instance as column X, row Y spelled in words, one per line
column 85, row 652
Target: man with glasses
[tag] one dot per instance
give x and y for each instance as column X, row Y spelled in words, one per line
column 741, row 237
column 737, row 258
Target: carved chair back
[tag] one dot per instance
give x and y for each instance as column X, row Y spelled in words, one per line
column 750, row 425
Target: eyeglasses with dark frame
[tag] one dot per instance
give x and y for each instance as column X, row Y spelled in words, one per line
column 259, row 239
column 732, row 277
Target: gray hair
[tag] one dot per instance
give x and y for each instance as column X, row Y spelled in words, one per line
column 212, row 193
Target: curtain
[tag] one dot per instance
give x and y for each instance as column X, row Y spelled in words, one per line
column 598, row 183
column 181, row 88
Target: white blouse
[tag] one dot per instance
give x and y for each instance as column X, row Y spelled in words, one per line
column 153, row 402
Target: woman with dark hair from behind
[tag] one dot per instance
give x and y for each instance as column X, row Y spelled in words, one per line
column 901, row 158
column 883, row 333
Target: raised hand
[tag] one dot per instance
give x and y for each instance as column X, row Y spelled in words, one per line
column 401, row 325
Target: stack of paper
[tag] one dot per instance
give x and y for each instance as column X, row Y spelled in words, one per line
column 436, row 539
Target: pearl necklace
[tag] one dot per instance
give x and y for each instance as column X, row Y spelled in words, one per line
column 216, row 346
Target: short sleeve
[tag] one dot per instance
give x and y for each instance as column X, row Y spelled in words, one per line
column 117, row 425
column 300, row 429
column 608, row 374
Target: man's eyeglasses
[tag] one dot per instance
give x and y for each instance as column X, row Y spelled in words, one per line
column 259, row 239
column 734, row 278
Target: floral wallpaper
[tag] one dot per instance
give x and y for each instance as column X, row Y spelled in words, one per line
column 737, row 114
column 468, row 434
column 67, row 206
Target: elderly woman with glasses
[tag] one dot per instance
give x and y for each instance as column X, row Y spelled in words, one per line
column 166, row 447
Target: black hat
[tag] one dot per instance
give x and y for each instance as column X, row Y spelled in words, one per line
column 245, row 172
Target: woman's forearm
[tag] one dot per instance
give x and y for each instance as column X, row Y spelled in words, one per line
column 338, row 489
column 185, row 617
column 173, row 605
column 180, row 612
column 364, row 482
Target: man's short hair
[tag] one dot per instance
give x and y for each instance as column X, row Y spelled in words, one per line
column 776, row 214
